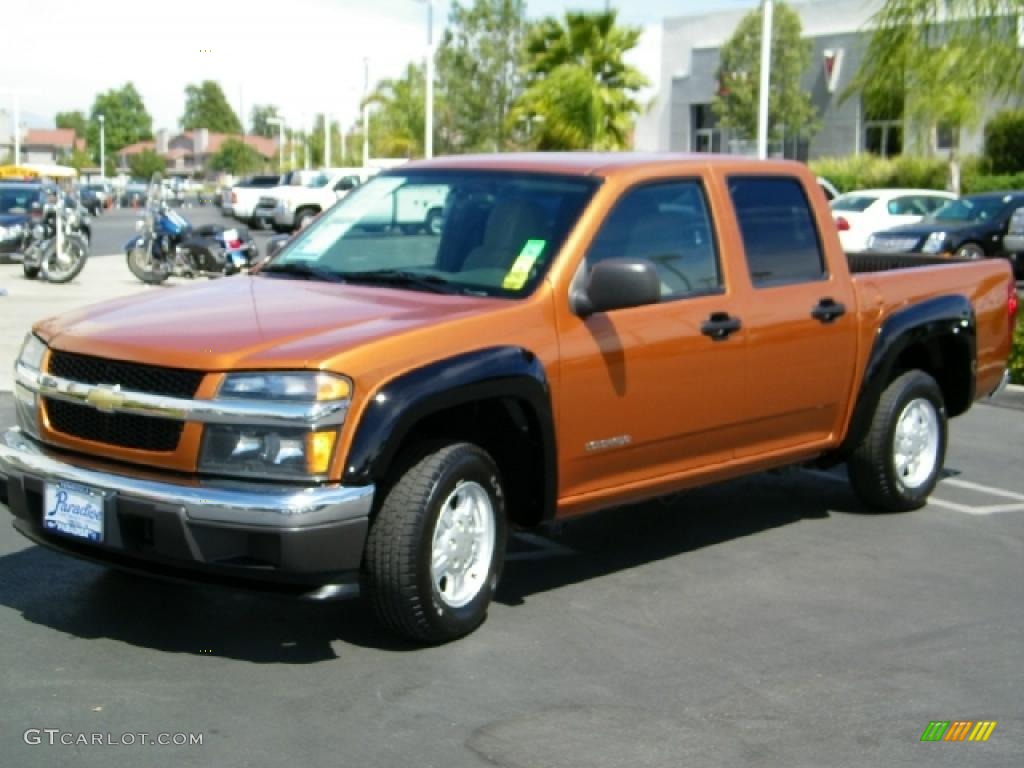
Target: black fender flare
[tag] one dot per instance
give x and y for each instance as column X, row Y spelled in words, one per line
column 939, row 317
column 486, row 374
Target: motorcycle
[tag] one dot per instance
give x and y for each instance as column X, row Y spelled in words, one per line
column 58, row 247
column 167, row 244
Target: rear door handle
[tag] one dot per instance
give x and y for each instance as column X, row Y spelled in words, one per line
column 720, row 326
column 828, row 310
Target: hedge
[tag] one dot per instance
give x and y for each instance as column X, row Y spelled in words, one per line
column 871, row 172
column 1004, row 141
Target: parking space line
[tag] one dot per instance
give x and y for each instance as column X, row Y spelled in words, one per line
column 966, row 484
column 991, row 509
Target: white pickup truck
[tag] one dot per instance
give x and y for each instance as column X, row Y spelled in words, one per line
column 292, row 207
column 412, row 209
column 240, row 199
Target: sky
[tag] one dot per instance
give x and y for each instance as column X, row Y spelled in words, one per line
column 306, row 56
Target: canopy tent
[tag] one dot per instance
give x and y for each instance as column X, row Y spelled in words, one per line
column 37, row 171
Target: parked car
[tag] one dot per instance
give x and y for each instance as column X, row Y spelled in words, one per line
column 858, row 215
column 21, row 205
column 134, row 194
column 240, row 199
column 973, row 227
column 291, row 207
column 90, row 200
column 374, row 412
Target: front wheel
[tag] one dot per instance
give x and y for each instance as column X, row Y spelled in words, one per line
column 145, row 267
column 435, row 222
column 897, row 464
column 66, row 266
column 437, row 545
column 31, row 273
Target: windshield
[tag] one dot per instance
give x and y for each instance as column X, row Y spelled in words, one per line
column 14, row 200
column 854, row 203
column 480, row 233
column 977, row 209
column 320, row 180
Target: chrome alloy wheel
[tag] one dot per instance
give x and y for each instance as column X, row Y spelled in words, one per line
column 463, row 545
column 916, row 443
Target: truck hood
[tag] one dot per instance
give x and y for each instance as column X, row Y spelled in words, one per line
column 251, row 322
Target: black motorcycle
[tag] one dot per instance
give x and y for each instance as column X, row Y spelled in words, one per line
column 167, row 244
column 58, row 246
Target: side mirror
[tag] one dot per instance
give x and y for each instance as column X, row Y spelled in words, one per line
column 345, row 185
column 618, row 284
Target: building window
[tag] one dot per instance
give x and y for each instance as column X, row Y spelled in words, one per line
column 883, row 137
column 706, row 135
column 946, row 136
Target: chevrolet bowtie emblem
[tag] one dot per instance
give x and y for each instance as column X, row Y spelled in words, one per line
column 106, row 399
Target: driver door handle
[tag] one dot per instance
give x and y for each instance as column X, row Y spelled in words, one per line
column 720, row 326
column 828, row 310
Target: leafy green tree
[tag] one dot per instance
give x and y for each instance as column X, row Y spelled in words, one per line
column 397, row 124
column 259, row 120
column 236, row 157
column 316, row 142
column 1004, row 141
column 479, row 65
column 931, row 70
column 80, row 159
column 790, row 108
column 74, row 120
column 207, row 107
column 145, row 163
column 580, row 92
column 127, row 120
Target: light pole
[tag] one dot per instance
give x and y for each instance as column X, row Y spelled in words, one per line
column 366, row 111
column 103, row 146
column 280, row 140
column 16, row 93
column 766, row 63
column 428, row 138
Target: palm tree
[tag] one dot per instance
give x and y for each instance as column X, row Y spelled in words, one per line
column 398, row 123
column 581, row 94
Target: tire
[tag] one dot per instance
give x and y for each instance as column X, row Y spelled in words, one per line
column 971, row 251
column 31, row 273
column 880, row 475
column 410, row 229
column 303, row 216
column 81, row 249
column 137, row 259
column 407, row 595
column 435, row 222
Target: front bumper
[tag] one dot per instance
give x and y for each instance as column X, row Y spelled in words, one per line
column 232, row 532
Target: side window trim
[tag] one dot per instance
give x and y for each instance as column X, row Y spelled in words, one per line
column 762, row 283
column 702, row 189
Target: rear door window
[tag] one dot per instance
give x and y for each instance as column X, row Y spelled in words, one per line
column 779, row 233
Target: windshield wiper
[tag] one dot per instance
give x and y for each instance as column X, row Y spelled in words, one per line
column 403, row 278
column 303, row 272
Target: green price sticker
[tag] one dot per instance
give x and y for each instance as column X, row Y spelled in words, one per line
column 520, row 271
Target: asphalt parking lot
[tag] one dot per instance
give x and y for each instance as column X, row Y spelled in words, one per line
column 768, row 622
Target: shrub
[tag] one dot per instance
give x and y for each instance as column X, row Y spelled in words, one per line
column 1017, row 354
column 972, row 184
column 868, row 171
column 1004, row 141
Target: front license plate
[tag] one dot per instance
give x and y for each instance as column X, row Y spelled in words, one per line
column 73, row 510
column 230, row 234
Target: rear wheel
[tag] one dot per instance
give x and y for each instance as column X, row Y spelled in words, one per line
column 304, row 217
column 435, row 222
column 437, row 545
column 897, row 464
column 31, row 273
column 970, row 251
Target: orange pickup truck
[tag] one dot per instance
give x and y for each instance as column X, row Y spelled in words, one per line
column 372, row 410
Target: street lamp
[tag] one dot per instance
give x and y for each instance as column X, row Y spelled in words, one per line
column 428, row 138
column 16, row 93
column 103, row 146
column 766, row 63
column 279, row 122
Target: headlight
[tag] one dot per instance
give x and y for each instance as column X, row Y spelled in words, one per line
column 32, row 351
column 25, row 404
column 290, row 453
column 934, row 242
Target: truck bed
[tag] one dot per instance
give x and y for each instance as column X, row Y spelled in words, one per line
column 883, row 262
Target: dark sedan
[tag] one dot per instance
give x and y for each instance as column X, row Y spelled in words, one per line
column 973, row 227
column 19, row 202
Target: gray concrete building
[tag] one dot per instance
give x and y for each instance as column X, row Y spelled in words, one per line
column 681, row 118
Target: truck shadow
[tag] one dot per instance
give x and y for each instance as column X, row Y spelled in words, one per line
column 90, row 602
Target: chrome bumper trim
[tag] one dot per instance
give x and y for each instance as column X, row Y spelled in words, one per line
column 248, row 412
column 211, row 501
